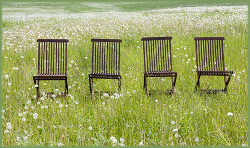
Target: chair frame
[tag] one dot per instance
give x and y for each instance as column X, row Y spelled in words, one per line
column 210, row 50
column 156, row 63
column 52, row 62
column 105, row 61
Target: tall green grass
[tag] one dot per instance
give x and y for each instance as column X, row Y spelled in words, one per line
column 130, row 117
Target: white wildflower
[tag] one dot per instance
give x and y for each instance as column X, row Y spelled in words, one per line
column 229, row 114
column 35, row 115
column 90, row 128
column 105, row 95
column 18, row 138
column 141, row 143
column 175, row 130
column 29, row 101
column 9, row 126
column 114, row 141
column 122, row 140
column 6, row 131
column 197, row 139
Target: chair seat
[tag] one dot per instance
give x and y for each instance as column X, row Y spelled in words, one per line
column 160, row 74
column 105, row 76
column 50, row 77
column 216, row 73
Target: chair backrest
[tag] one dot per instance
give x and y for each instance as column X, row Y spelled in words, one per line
column 157, row 54
column 106, row 56
column 209, row 53
column 52, row 56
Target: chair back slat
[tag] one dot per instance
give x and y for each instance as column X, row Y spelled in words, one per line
column 106, row 56
column 157, row 54
column 52, row 56
column 209, row 53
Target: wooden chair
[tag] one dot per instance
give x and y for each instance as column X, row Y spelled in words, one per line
column 52, row 62
column 158, row 60
column 105, row 60
column 210, row 61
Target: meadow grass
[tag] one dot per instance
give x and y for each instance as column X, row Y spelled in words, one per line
column 130, row 117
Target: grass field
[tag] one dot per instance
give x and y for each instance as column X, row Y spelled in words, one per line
column 128, row 118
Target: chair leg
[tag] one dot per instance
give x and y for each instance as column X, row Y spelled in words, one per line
column 37, row 91
column 145, row 85
column 173, row 83
column 90, row 84
column 226, row 83
column 197, row 83
column 65, row 89
column 119, row 84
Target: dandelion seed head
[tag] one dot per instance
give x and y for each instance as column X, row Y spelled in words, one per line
column 141, row 143
column 35, row 115
column 122, row 140
column 6, row 131
column 105, row 95
column 229, row 114
column 9, row 126
column 18, row 138
column 6, row 76
column 197, row 139
column 90, row 128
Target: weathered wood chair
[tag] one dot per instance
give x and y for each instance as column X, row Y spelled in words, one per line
column 52, row 62
column 105, row 60
column 210, row 61
column 158, row 60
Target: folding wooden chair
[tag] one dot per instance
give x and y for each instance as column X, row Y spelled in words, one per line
column 158, row 60
column 52, row 62
column 210, row 61
column 105, row 60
